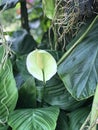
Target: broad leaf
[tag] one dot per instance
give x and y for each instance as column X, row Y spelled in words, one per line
column 78, row 69
column 21, row 67
column 94, row 111
column 22, row 42
column 56, row 94
column 1, row 54
column 41, row 65
column 77, row 118
column 56, row 54
column 5, row 127
column 27, row 94
column 62, row 123
column 19, row 80
column 34, row 119
column 8, row 92
column 49, row 8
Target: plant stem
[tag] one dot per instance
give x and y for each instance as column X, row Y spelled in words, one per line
column 55, row 38
column 44, row 86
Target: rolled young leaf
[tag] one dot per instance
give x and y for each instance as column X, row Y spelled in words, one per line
column 40, row 61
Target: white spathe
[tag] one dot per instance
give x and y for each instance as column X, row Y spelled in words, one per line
column 39, row 61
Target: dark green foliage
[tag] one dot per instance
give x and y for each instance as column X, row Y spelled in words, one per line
column 22, row 42
column 36, row 119
column 62, row 123
column 27, row 94
column 77, row 118
column 66, row 103
column 8, row 90
column 79, row 69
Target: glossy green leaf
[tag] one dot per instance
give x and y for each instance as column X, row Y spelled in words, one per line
column 41, row 64
column 5, row 127
column 27, row 94
column 49, row 8
column 21, row 67
column 22, row 42
column 1, row 54
column 8, row 92
column 78, row 68
column 19, row 80
column 77, row 118
column 34, row 119
column 56, row 94
column 62, row 123
column 94, row 111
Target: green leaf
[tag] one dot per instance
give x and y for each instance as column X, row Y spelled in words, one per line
column 1, row 54
column 49, row 8
column 77, row 118
column 41, row 64
column 22, row 42
column 27, row 94
column 8, row 92
column 78, row 68
column 34, row 119
column 94, row 111
column 19, row 80
column 56, row 54
column 3, row 127
column 56, row 94
column 21, row 67
column 62, row 123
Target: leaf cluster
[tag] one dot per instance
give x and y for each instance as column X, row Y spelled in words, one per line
column 68, row 95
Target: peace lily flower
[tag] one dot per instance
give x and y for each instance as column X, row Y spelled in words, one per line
column 39, row 62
